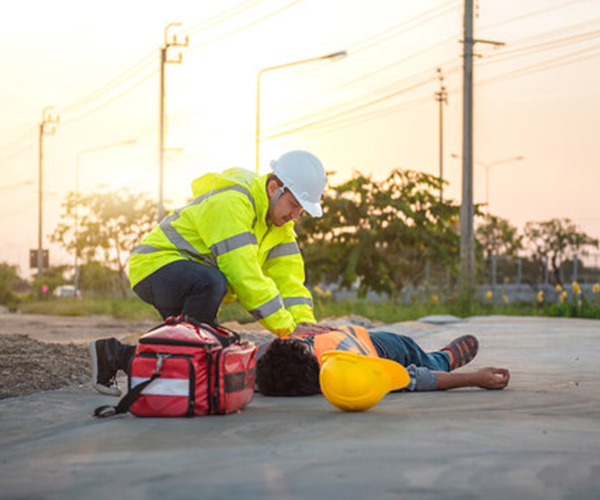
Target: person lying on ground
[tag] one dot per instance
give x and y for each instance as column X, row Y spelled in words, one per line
column 290, row 366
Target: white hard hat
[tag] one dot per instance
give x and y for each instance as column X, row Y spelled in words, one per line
column 303, row 174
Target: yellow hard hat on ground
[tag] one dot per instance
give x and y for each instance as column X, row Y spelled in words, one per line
column 354, row 382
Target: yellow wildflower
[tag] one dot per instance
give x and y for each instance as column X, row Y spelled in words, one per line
column 596, row 288
column 318, row 290
column 489, row 295
column 563, row 296
column 434, row 299
column 328, row 293
column 576, row 288
column 505, row 299
column 558, row 288
column 540, row 296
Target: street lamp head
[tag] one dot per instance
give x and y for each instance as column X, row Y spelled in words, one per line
column 334, row 56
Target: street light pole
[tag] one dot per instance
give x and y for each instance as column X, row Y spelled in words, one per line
column 47, row 119
column 331, row 57
column 77, row 169
column 487, row 176
column 487, row 173
column 164, row 59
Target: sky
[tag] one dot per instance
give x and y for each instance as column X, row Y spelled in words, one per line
column 537, row 97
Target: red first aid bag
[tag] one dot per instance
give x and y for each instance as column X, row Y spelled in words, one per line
column 183, row 368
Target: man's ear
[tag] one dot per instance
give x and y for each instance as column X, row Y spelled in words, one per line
column 272, row 188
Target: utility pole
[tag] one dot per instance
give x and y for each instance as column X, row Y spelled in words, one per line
column 47, row 119
column 164, row 59
column 467, row 209
column 442, row 98
column 467, row 241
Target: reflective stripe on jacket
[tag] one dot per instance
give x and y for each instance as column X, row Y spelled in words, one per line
column 346, row 338
column 225, row 226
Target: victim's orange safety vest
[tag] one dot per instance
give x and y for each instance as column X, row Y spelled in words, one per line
column 346, row 338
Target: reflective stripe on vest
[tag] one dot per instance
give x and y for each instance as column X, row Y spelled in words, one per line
column 233, row 243
column 296, row 301
column 142, row 248
column 268, row 308
column 283, row 250
column 178, row 241
column 346, row 338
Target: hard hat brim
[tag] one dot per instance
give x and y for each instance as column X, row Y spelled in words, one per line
column 399, row 377
column 396, row 373
column 312, row 209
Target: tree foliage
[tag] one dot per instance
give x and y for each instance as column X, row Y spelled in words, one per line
column 109, row 225
column 558, row 240
column 497, row 236
column 381, row 234
column 8, row 280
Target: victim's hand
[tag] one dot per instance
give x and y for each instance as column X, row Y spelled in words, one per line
column 492, row 378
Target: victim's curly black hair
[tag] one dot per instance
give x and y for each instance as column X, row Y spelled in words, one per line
column 288, row 368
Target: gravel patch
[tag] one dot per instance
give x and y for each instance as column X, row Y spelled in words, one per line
column 28, row 366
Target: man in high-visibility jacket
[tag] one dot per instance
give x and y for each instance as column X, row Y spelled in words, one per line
column 235, row 239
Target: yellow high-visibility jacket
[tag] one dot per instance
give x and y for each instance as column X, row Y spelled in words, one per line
column 225, row 226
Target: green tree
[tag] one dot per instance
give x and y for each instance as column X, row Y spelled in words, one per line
column 557, row 240
column 381, row 234
column 110, row 224
column 95, row 277
column 8, row 279
column 497, row 236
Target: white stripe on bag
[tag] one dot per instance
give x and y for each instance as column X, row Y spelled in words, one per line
column 164, row 386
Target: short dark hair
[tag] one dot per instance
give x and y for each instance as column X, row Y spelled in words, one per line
column 273, row 177
column 288, row 368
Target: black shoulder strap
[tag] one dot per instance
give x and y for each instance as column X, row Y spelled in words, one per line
column 126, row 401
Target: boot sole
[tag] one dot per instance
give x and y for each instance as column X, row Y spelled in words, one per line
column 102, row 389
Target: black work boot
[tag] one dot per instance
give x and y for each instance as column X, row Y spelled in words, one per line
column 108, row 357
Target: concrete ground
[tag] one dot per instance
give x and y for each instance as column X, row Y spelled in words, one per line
column 538, row 439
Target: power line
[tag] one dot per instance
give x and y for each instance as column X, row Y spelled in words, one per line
column 543, row 66
column 243, row 28
column 221, row 17
column 369, row 74
column 404, row 27
column 18, row 185
column 18, row 152
column 351, row 110
column 542, row 47
column 110, row 101
column 110, row 85
column 26, row 135
column 532, row 14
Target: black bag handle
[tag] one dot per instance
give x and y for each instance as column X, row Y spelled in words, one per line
column 126, row 401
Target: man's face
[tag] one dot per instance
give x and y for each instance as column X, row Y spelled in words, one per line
column 285, row 209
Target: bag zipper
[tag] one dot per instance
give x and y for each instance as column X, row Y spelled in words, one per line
column 208, row 385
column 216, row 393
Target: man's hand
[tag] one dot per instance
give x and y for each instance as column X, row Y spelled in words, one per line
column 491, row 378
column 310, row 329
